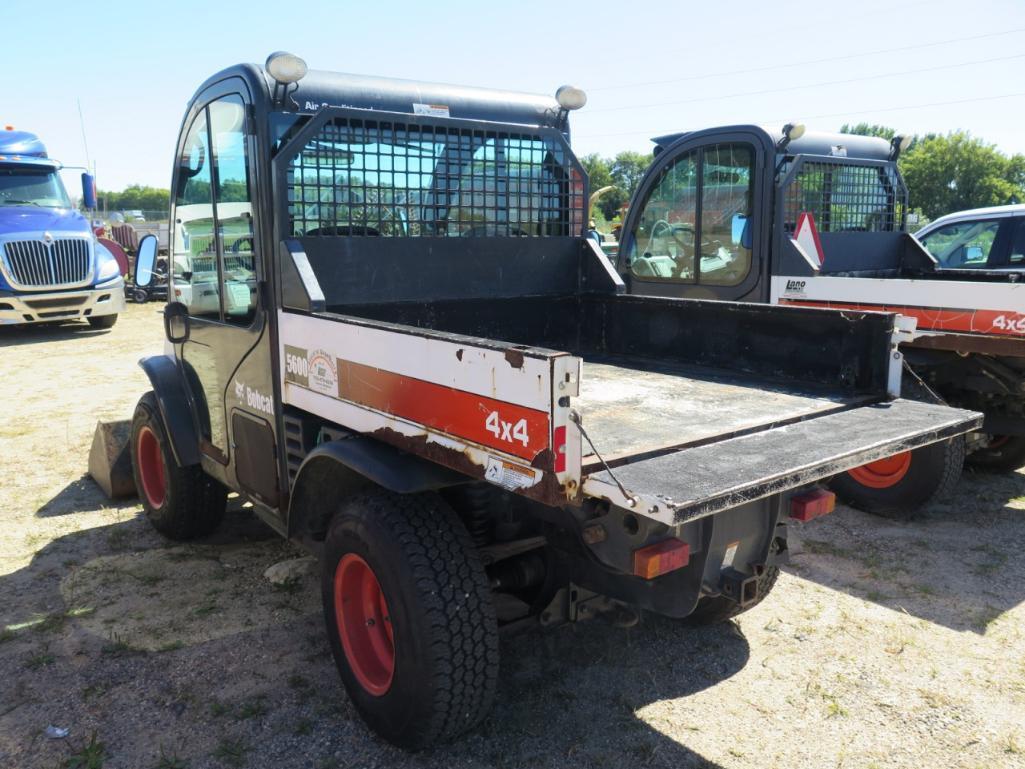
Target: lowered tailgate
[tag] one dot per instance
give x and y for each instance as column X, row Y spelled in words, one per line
column 693, row 482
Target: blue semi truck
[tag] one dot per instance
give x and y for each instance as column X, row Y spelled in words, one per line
column 51, row 266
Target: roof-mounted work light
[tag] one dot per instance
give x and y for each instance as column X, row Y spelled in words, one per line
column 285, row 68
column 570, row 97
column 791, row 132
column 898, row 145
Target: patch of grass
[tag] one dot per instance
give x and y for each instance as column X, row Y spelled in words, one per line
column 253, row 709
column 987, row 617
column 116, row 646
column 6, row 635
column 303, row 727
column 205, row 610
column 328, row 763
column 91, row 756
column 1012, row 747
column 218, row 709
column 298, row 682
column 834, row 709
column 231, row 752
column 81, row 611
column 94, row 690
column 118, row 538
column 170, row 760
column 41, row 660
column 171, row 646
column 923, row 589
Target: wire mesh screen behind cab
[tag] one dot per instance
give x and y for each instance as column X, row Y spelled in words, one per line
column 382, row 178
column 844, row 197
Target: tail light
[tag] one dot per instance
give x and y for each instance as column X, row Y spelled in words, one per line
column 654, row 560
column 812, row 504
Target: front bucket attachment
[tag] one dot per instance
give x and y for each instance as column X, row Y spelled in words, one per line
column 110, row 462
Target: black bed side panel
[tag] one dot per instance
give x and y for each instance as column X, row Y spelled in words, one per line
column 847, row 352
column 844, row 350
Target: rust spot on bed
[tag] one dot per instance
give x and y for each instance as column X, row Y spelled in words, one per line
column 514, row 357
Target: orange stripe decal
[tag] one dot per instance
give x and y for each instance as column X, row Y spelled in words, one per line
column 514, row 429
column 995, row 322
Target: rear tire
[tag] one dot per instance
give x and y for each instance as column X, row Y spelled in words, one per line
column 715, row 609
column 432, row 671
column 898, row 486
column 181, row 503
column 102, row 321
column 1005, row 454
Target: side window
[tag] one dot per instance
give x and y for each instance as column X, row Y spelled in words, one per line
column 695, row 226
column 726, row 196
column 663, row 242
column 963, row 245
column 234, row 210
column 195, row 249
column 1017, row 254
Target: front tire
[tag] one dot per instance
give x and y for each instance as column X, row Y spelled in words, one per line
column 409, row 616
column 102, row 321
column 181, row 503
column 897, row 486
column 1004, row 454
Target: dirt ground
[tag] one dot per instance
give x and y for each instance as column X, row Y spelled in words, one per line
column 884, row 644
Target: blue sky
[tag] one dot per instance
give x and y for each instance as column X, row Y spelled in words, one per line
column 648, row 67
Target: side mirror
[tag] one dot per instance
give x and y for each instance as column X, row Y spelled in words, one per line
column 145, row 260
column 89, row 191
column 176, row 322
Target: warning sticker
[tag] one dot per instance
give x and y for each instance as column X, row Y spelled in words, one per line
column 432, row 110
column 509, row 475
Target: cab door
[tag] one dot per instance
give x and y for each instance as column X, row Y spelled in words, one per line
column 225, row 352
column 698, row 226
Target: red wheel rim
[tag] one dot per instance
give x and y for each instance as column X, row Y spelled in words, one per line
column 150, row 462
column 364, row 624
column 883, row 473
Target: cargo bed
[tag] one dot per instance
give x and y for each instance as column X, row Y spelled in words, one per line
column 696, row 406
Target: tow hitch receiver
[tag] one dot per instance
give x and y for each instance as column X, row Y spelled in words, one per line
column 812, row 504
column 739, row 587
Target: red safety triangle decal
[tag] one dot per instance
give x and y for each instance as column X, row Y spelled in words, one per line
column 807, row 237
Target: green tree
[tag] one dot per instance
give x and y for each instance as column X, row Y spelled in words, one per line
column 957, row 171
column 869, row 129
column 599, row 174
column 627, row 169
column 135, row 196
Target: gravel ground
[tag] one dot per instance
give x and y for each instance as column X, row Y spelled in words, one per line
column 884, row 644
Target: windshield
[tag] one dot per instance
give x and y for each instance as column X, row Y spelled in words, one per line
column 20, row 186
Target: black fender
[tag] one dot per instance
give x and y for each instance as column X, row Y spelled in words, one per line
column 173, row 402
column 340, row 467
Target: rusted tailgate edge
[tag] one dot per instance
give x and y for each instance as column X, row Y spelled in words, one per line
column 704, row 480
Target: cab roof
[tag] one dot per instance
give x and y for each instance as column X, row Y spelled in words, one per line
column 811, row 143
column 23, row 147
column 321, row 88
